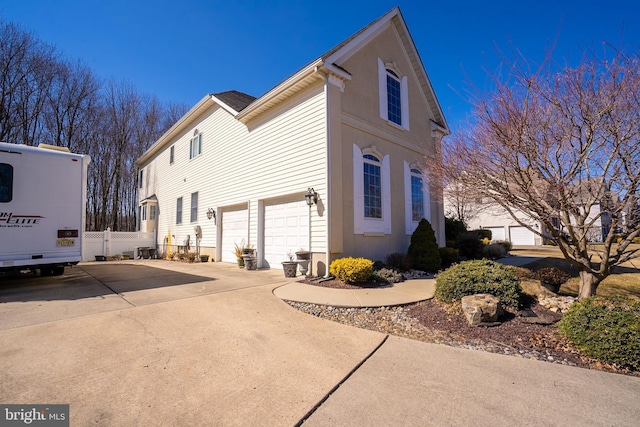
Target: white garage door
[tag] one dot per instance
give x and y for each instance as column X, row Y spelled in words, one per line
column 286, row 229
column 497, row 233
column 521, row 236
column 235, row 225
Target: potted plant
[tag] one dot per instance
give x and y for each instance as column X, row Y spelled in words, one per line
column 302, row 259
column 552, row 278
column 238, row 252
column 289, row 267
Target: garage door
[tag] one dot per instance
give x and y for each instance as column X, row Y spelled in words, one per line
column 286, row 229
column 497, row 233
column 235, row 225
column 521, row 236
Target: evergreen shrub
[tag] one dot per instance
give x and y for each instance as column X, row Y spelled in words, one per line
column 352, row 270
column 470, row 245
column 478, row 277
column 423, row 250
column 605, row 328
column 449, row 256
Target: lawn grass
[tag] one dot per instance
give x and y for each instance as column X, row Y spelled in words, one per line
column 625, row 281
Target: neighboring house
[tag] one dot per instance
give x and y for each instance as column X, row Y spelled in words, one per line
column 504, row 227
column 358, row 126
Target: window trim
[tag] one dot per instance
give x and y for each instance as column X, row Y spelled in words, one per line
column 383, row 72
column 363, row 225
column 172, row 153
column 370, row 159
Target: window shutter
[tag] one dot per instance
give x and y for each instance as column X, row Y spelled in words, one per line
column 382, row 89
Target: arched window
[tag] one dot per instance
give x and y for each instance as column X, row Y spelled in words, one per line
column 372, row 187
column 393, row 90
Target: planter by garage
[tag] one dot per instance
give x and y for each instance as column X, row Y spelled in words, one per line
column 289, row 268
column 101, row 258
column 303, row 255
column 250, row 263
column 204, row 258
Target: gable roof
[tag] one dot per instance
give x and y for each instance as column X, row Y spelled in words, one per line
column 245, row 107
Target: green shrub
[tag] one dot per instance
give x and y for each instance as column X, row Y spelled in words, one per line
column 470, row 245
column 449, row 256
column 478, row 277
column 453, row 228
column 388, row 275
column 352, row 270
column 483, row 233
column 605, row 328
column 493, row 251
column 507, row 245
column 398, row 261
column 423, row 250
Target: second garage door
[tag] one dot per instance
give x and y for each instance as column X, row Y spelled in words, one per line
column 521, row 236
column 497, row 233
column 286, row 229
column 235, row 224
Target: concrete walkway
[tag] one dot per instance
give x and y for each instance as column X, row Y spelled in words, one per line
column 400, row 293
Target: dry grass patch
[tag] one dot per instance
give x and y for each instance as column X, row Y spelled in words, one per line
column 625, row 281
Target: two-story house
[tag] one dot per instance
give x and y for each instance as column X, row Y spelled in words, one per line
column 355, row 130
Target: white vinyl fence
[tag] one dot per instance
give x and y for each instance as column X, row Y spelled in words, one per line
column 109, row 243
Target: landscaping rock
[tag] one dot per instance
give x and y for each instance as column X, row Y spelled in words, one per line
column 481, row 308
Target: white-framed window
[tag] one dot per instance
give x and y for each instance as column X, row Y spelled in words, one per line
column 195, row 145
column 172, row 152
column 152, row 212
column 416, row 195
column 179, row 211
column 194, row 207
column 371, row 191
column 393, row 90
column 140, row 176
column 372, row 177
column 144, row 212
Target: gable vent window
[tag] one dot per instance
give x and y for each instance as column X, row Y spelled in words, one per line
column 394, row 95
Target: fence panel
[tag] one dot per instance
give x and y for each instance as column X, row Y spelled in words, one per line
column 108, row 243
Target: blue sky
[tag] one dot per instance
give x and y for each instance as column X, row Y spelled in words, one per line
column 182, row 50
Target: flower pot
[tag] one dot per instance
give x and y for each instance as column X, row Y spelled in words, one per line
column 241, row 262
column 303, row 255
column 204, row 258
column 251, row 263
column 101, row 258
column 289, row 268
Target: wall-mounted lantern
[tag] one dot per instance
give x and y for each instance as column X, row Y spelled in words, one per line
column 311, row 197
column 211, row 213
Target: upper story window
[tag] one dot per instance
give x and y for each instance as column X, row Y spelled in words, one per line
column 394, row 104
column 372, row 186
column 194, row 207
column 171, row 154
column 140, row 175
column 417, row 196
column 195, row 145
column 6, row 183
column 179, row 211
column 394, row 95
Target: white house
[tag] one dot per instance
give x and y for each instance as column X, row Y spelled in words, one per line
column 356, row 127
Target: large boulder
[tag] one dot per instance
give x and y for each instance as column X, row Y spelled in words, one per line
column 481, row 309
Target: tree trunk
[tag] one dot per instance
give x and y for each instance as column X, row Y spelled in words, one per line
column 588, row 285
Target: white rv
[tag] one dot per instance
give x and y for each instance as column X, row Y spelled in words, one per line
column 42, row 207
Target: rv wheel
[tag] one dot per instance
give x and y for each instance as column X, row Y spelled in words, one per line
column 57, row 270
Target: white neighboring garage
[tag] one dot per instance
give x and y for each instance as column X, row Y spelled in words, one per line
column 286, row 230
column 497, row 233
column 234, row 230
column 519, row 235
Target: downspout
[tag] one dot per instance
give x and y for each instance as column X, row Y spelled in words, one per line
column 328, row 170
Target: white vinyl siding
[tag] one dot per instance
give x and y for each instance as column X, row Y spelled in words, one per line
column 279, row 155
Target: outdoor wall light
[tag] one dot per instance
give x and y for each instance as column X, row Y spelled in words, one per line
column 211, row 213
column 311, row 197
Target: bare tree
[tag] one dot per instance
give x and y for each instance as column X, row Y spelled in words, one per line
column 562, row 145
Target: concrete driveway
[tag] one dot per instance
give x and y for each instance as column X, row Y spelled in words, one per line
column 161, row 343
